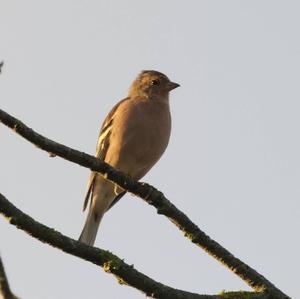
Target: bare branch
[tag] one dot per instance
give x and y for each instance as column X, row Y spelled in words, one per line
column 125, row 274
column 154, row 198
column 5, row 291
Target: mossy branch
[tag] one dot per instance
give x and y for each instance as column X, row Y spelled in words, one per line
column 125, row 274
column 152, row 196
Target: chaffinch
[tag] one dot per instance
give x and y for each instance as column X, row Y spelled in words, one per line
column 133, row 137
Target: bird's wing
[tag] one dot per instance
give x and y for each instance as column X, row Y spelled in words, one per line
column 101, row 150
column 117, row 198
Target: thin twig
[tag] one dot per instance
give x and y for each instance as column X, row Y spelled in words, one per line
column 5, row 290
column 125, row 274
column 154, row 198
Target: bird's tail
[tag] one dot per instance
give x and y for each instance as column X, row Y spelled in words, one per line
column 89, row 232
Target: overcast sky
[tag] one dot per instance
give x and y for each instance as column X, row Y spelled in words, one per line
column 232, row 164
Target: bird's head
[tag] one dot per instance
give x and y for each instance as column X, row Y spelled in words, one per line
column 152, row 84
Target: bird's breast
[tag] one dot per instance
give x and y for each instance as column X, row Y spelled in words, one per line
column 140, row 138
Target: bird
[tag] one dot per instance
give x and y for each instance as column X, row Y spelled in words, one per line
column 133, row 137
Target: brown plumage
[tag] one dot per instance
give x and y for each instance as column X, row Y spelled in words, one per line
column 133, row 137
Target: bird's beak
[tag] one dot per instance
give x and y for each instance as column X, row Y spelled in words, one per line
column 172, row 85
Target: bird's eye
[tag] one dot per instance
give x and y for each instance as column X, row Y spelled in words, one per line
column 155, row 82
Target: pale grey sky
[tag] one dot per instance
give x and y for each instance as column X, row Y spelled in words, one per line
column 233, row 162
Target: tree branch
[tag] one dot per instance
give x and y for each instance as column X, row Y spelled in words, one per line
column 125, row 274
column 5, row 290
column 154, row 198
